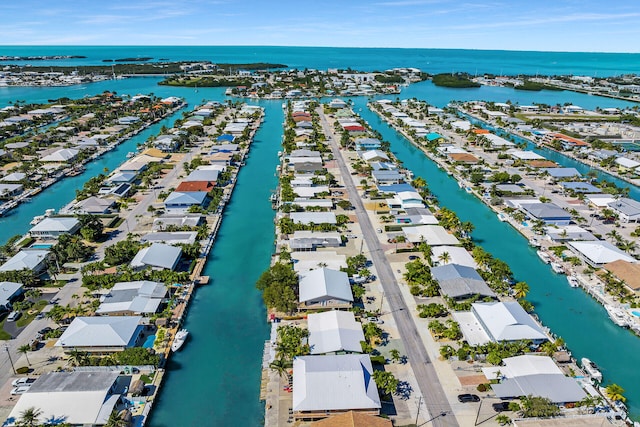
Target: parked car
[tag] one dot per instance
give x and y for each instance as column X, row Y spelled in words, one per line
column 14, row 315
column 44, row 331
column 466, row 398
column 22, row 381
column 20, row 389
column 375, row 320
column 501, row 406
column 379, row 230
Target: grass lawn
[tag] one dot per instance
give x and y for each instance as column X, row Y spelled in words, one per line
column 27, row 317
column 4, row 336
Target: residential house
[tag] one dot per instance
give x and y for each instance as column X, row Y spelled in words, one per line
column 460, row 282
column 180, row 202
column 54, row 227
column 29, row 259
column 133, row 298
column 158, row 256
column 9, row 292
column 102, row 334
column 334, row 331
column 325, row 288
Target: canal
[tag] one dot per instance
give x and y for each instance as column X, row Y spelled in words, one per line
column 215, row 379
column 569, row 312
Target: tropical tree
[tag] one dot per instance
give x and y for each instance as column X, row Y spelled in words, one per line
column 614, row 392
column 281, row 367
column 395, row 355
column 77, row 357
column 387, row 383
column 614, row 235
column 444, row 257
column 24, row 349
column 29, row 417
column 115, row 420
column 520, row 290
column 503, row 420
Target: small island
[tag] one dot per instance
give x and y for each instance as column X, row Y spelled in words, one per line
column 458, row 80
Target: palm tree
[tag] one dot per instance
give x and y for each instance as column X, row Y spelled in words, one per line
column 520, row 289
column 24, row 349
column 280, row 366
column 29, row 417
column 614, row 392
column 395, row 355
column 614, row 235
column 444, row 257
column 77, row 357
column 115, row 420
column 628, row 246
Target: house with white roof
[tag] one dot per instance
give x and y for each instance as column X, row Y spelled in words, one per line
column 170, row 237
column 30, row 259
column 324, row 288
column 334, row 331
column 498, row 321
column 9, row 292
column 93, row 205
column 456, row 255
column 432, row 235
column 180, row 202
column 406, row 200
column 628, row 210
column 599, row 252
column 532, row 375
column 307, row 261
column 158, row 256
column 374, row 156
column 326, row 385
column 307, row 218
column 76, row 398
column 460, row 282
column 626, row 164
column 61, row 156
column 102, row 334
column 498, row 142
column 127, row 298
column 54, row 227
column 306, row 240
column 8, row 190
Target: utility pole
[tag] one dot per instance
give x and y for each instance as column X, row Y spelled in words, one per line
column 6, row 347
column 418, row 414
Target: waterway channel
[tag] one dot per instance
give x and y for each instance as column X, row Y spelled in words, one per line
column 569, row 312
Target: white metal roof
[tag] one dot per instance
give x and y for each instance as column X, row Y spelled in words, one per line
column 58, row 224
column 457, row 254
column 100, row 332
column 325, row 283
column 600, row 252
column 157, row 255
column 334, row 383
column 333, row 331
column 26, row 258
column 313, row 217
column 433, row 235
column 507, row 321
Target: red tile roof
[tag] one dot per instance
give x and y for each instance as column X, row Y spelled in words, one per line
column 186, row 187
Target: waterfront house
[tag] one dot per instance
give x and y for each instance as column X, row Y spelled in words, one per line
column 337, row 104
column 158, row 256
column 599, row 252
column 566, row 142
column 128, row 120
column 568, row 233
column 353, row 419
column 405, row 200
column 387, row 177
column 625, row 271
column 416, row 216
column 463, row 158
column 497, row 142
column 626, row 165
column 628, row 210
column 9, row 292
column 363, row 144
column 14, row 177
column 225, row 138
column 550, row 213
column 533, row 375
column 307, row 218
column 374, row 156
column 169, row 143
column 10, row 190
column 334, row 331
column 456, row 254
column 177, row 220
column 304, row 240
column 498, row 322
column 579, row 187
column 61, row 156
column 326, row 385
column 133, row 298
column 432, row 235
column 102, row 334
column 562, row 173
column 54, row 227
column 180, row 202
column 324, row 288
column 306, row 164
column 170, row 237
column 76, row 398
column 30, row 259
column 118, row 177
column 460, row 282
column 93, row 205
column 191, row 186
column 310, row 203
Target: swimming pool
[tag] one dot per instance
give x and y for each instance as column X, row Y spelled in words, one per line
column 636, row 313
column 41, row 246
column 148, row 343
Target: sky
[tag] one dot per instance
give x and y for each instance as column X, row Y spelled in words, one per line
column 543, row 25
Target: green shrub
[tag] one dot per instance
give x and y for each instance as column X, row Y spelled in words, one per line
column 23, row 370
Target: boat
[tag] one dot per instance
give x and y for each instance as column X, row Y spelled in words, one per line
column 543, row 256
column 573, row 281
column 534, row 242
column 180, row 338
column 130, row 154
column 557, row 267
column 616, row 315
column 467, row 189
column 36, row 219
column 592, row 369
column 502, row 217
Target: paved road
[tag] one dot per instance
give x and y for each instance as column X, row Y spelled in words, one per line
column 430, row 388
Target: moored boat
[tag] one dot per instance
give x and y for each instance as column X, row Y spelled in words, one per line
column 557, row 267
column 534, row 242
column 180, row 338
column 502, row 217
column 616, row 315
column 543, row 256
column 591, row 369
column 573, row 281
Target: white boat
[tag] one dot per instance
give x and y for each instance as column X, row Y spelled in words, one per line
column 591, row 369
column 573, row 281
column 616, row 315
column 556, row 267
column 178, row 341
column 543, row 256
column 36, row 219
column 130, row 154
column 502, row 217
column 468, row 189
column 534, row 242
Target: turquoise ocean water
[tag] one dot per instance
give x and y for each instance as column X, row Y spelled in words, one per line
column 215, row 378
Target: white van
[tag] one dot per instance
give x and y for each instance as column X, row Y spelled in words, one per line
column 13, row 316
